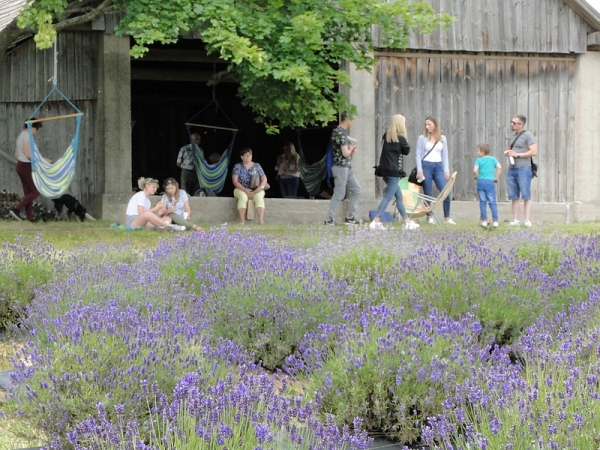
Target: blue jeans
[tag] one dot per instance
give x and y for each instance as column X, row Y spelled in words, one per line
column 434, row 172
column 518, row 183
column 392, row 189
column 346, row 185
column 486, row 190
column 289, row 186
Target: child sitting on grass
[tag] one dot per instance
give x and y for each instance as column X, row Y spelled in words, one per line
column 487, row 170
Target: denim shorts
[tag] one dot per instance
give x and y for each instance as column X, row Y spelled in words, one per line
column 129, row 219
column 518, row 183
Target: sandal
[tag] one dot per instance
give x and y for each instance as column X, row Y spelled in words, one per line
column 197, row 228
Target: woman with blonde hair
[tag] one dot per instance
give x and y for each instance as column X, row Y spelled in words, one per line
column 433, row 164
column 288, row 170
column 395, row 146
column 177, row 205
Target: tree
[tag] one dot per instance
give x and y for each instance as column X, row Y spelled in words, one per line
column 285, row 54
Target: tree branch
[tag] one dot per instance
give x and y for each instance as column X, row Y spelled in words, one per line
column 84, row 18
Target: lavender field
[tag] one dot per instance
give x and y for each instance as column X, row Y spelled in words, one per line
column 222, row 340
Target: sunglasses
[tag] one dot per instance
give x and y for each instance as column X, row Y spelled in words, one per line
column 512, row 122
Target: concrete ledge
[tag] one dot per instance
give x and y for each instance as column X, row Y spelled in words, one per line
column 218, row 210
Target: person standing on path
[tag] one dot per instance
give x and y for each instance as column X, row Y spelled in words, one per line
column 433, row 164
column 395, row 147
column 521, row 147
column 345, row 183
column 487, row 170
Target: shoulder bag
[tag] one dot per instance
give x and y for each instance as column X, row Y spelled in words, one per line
column 534, row 166
column 412, row 178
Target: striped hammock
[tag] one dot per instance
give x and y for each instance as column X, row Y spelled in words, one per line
column 211, row 177
column 312, row 175
column 53, row 180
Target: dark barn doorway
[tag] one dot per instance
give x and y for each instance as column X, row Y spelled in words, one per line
column 169, row 86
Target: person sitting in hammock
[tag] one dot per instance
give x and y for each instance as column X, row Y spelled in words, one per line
column 177, row 205
column 140, row 213
column 23, row 156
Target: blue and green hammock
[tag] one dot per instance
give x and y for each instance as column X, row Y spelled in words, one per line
column 312, row 175
column 53, row 180
column 211, row 177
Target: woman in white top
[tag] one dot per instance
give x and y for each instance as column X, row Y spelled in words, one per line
column 23, row 156
column 140, row 212
column 432, row 163
column 177, row 205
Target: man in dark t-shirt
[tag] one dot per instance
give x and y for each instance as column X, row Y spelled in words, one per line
column 344, row 180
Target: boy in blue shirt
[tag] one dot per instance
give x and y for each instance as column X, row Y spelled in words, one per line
column 487, row 170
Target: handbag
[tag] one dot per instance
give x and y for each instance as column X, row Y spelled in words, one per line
column 412, row 178
column 255, row 181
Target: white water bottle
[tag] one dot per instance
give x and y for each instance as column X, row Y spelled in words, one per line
column 512, row 160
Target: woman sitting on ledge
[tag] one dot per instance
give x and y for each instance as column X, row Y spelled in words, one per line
column 177, row 205
column 140, row 212
column 242, row 173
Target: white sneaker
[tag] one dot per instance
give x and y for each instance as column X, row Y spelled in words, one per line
column 450, row 222
column 495, row 224
column 411, row 226
column 376, row 226
column 527, row 223
column 483, row 223
column 178, row 227
column 431, row 221
column 515, row 223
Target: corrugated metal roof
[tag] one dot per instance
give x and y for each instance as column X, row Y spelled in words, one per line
column 9, row 10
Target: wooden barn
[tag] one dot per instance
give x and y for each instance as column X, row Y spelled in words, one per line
column 532, row 57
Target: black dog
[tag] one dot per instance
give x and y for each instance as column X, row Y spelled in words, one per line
column 73, row 207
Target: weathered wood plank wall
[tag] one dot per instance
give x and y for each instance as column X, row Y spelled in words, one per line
column 24, row 84
column 531, row 26
column 474, row 99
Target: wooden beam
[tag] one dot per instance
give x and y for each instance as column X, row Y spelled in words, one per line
column 46, row 119
column 181, row 55
column 476, row 56
column 593, row 42
column 148, row 73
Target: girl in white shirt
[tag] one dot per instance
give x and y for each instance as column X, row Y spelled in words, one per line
column 177, row 205
column 140, row 212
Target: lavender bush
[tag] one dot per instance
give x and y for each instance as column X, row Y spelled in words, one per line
column 413, row 333
column 246, row 412
column 24, row 266
column 257, row 293
column 552, row 403
column 393, row 374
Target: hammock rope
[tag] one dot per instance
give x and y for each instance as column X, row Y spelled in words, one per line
column 53, row 179
column 211, row 177
column 312, row 175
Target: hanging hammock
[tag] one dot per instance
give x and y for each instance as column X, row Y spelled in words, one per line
column 312, row 175
column 53, row 180
column 211, row 177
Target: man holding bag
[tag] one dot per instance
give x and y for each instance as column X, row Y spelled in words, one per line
column 521, row 148
column 343, row 176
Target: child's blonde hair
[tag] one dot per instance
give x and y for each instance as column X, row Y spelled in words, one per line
column 485, row 148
